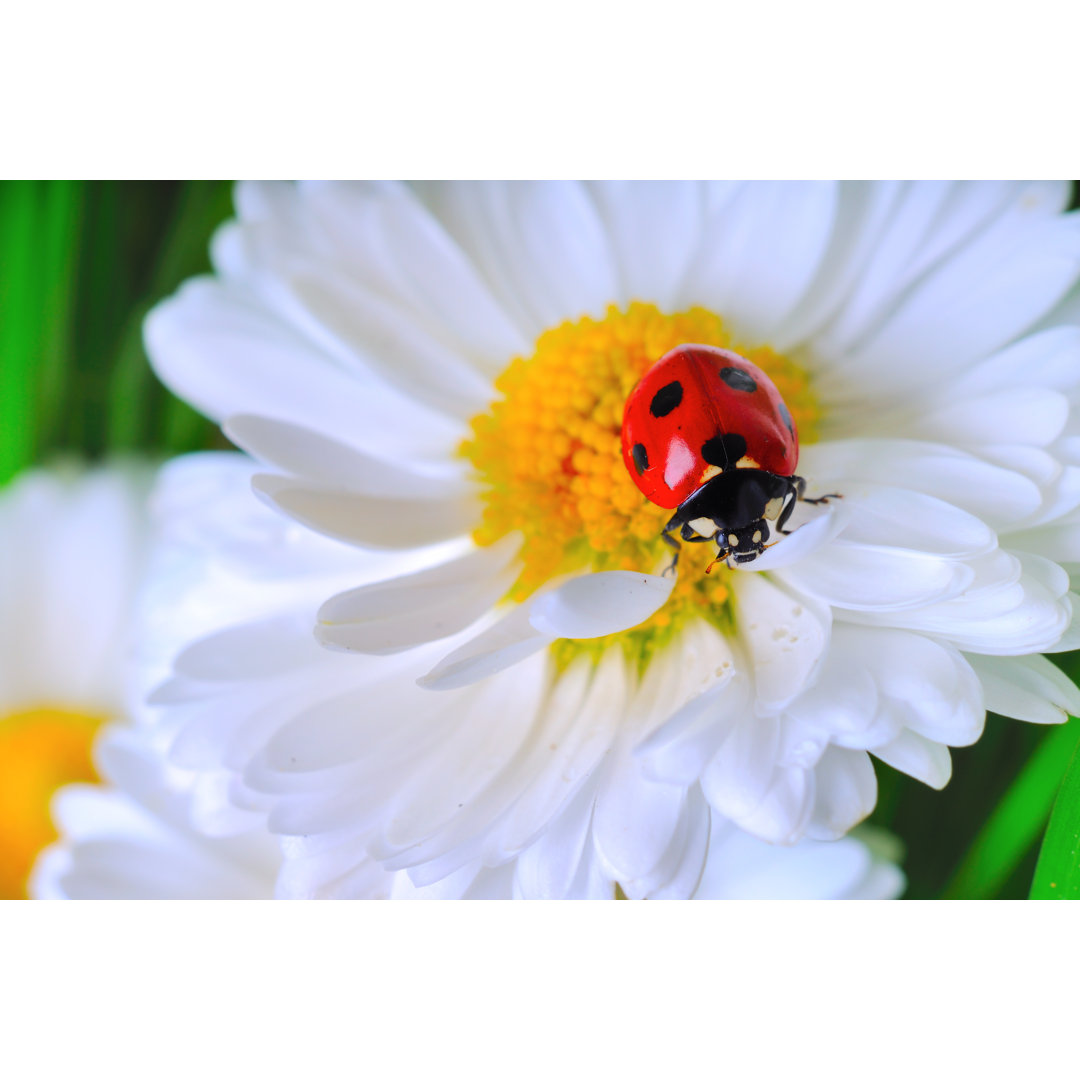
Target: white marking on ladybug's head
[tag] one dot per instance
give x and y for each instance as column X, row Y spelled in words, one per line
column 733, row 540
column 746, row 462
column 773, row 508
column 680, row 463
column 710, row 472
column 757, row 536
column 704, row 526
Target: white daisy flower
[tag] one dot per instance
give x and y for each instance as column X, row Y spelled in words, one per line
column 244, row 583
column 441, row 371
column 133, row 839
column 72, row 545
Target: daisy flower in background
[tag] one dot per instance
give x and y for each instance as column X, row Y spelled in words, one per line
column 73, row 545
column 439, row 372
column 125, row 825
column 244, row 583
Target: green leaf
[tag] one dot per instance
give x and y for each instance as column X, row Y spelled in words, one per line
column 18, row 213
column 1016, row 823
column 1057, row 874
column 136, row 399
column 63, row 208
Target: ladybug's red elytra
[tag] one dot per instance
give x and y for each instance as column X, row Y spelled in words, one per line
column 706, row 433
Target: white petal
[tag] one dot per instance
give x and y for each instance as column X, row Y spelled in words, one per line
column 546, row 869
column 635, row 820
column 510, row 640
column 981, row 297
column 680, row 748
column 541, row 247
column 654, row 229
column 783, row 813
column 396, row 246
column 1005, row 611
column 306, row 453
column 921, row 758
column 1027, row 687
column 415, row 608
column 368, row 520
column 576, row 733
column 255, row 650
column 224, row 351
column 863, row 212
column 786, row 634
column 743, row 770
column 901, row 518
column 595, row 605
column 364, row 330
column 1046, row 360
column 1028, row 415
column 997, row 496
column 803, row 540
column 679, row 873
column 759, row 253
column 846, row 792
column 865, row 578
column 741, row 867
column 927, row 220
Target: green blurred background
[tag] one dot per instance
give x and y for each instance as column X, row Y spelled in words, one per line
column 82, row 262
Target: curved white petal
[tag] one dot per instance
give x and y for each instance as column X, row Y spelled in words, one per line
column 976, row 301
column 581, row 719
column 315, row 457
column 635, row 820
column 223, row 350
column 369, row 520
column 416, row 608
column 863, row 577
column 786, row 636
column 846, row 792
column 759, row 253
column 1000, row 497
column 541, row 247
column 897, row 517
column 1029, row 415
column 595, row 605
column 395, row 245
column 502, row 645
column 1027, row 687
column 919, row 757
column 654, row 229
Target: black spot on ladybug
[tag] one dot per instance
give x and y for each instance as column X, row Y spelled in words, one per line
column 724, row 450
column 641, row 457
column 786, row 417
column 738, row 380
column 666, row 398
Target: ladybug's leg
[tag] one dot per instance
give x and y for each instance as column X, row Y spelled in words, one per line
column 671, row 542
column 797, row 488
column 800, row 487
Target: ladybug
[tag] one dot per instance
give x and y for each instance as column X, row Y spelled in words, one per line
column 707, row 434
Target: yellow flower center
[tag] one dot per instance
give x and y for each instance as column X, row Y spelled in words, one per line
column 40, row 750
column 550, row 460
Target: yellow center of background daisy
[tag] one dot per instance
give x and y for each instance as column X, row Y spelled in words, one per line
column 40, row 750
column 549, row 455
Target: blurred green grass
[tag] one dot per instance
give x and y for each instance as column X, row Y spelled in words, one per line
column 82, row 262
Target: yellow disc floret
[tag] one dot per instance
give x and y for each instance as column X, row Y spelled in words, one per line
column 549, row 456
column 40, row 750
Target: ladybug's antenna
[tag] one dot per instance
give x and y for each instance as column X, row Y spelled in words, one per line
column 720, row 557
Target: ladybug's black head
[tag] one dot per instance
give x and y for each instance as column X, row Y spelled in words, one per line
column 734, row 510
column 745, row 544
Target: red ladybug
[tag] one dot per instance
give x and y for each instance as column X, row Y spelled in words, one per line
column 706, row 431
